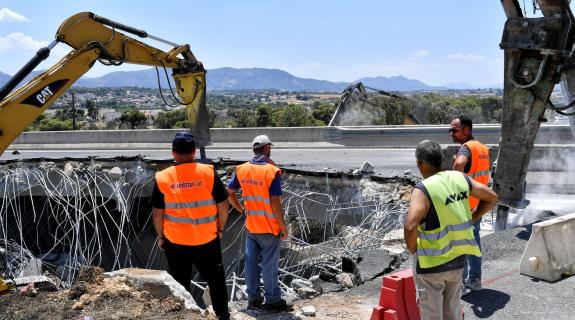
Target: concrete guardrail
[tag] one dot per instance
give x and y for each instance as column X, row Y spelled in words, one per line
column 381, row 136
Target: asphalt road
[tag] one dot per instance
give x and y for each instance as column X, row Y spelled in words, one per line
column 383, row 159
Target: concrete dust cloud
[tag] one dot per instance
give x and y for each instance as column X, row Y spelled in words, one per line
column 550, row 185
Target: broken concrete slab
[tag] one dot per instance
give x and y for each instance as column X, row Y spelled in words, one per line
column 308, row 311
column 306, row 293
column 366, row 167
column 345, row 279
column 378, row 262
column 158, row 282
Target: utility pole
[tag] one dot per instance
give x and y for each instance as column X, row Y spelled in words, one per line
column 73, row 105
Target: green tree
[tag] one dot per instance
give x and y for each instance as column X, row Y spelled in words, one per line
column 244, row 118
column 66, row 113
column 295, row 116
column 54, row 124
column 212, row 116
column 171, row 119
column 132, row 118
column 490, row 109
column 323, row 112
column 438, row 116
column 264, row 116
column 34, row 125
column 92, row 109
column 391, row 110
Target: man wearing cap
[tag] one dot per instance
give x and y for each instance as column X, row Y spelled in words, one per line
column 190, row 210
column 260, row 181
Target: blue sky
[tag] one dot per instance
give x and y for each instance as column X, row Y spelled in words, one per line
column 437, row 42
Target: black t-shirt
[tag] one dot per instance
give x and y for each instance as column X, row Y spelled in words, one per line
column 219, row 193
column 431, row 222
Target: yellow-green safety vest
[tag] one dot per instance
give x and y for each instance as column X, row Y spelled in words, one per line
column 449, row 193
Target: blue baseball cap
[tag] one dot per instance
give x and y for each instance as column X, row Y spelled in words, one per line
column 183, row 142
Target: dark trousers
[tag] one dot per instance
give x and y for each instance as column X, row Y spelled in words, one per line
column 208, row 260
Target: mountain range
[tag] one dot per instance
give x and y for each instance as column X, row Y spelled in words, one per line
column 250, row 79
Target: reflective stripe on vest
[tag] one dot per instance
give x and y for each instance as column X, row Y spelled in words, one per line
column 190, row 220
column 255, row 181
column 447, row 229
column 261, row 213
column 257, row 198
column 479, row 174
column 189, row 205
column 480, row 166
column 190, row 213
column 449, row 192
column 439, row 252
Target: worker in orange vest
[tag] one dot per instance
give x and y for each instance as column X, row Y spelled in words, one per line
column 473, row 160
column 190, row 210
column 260, row 181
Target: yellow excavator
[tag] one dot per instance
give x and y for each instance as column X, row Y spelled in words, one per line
column 95, row 38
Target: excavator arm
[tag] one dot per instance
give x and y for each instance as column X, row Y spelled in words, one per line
column 94, row 38
column 537, row 53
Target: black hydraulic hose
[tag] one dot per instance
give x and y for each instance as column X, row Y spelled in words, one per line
column 40, row 56
column 117, row 25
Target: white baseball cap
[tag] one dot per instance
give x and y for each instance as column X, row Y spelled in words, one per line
column 261, row 141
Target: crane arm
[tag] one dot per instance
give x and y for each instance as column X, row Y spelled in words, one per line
column 94, row 38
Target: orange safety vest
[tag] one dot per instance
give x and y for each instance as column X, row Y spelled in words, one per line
column 255, row 181
column 190, row 216
column 480, row 166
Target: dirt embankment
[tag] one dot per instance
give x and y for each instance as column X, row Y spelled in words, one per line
column 94, row 296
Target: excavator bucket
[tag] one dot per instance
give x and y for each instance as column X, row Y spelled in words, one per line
column 359, row 107
column 192, row 89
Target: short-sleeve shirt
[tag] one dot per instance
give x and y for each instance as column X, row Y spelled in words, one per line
column 465, row 151
column 219, row 193
column 275, row 187
column 431, row 222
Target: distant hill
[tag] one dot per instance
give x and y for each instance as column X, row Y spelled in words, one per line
column 4, row 78
column 259, row 78
column 250, row 79
column 398, row 83
column 141, row 78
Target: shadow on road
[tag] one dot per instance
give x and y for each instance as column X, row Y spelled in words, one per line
column 525, row 234
column 484, row 303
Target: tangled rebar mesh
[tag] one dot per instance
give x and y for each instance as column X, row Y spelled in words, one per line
column 82, row 215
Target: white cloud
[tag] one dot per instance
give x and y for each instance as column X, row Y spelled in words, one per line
column 9, row 15
column 421, row 54
column 20, row 41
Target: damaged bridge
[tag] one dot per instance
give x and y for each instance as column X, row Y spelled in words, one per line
column 59, row 216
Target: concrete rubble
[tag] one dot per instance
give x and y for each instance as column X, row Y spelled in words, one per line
column 345, row 231
column 157, row 282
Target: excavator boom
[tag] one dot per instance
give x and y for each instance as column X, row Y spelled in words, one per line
column 94, row 38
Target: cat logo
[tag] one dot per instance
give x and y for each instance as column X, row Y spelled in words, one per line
column 456, row 197
column 44, row 95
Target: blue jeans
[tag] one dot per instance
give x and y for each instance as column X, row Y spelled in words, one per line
column 262, row 259
column 472, row 268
